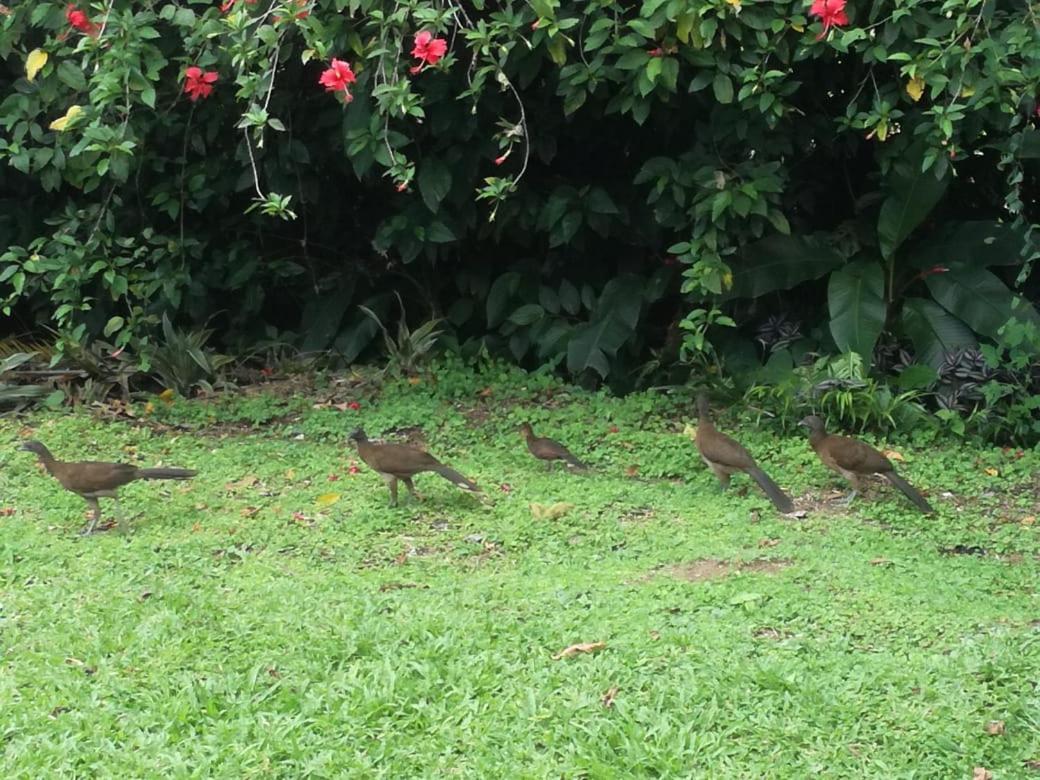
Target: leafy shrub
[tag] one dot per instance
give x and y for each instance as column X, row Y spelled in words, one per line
column 282, row 163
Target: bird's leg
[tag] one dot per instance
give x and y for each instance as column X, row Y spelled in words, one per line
column 123, row 525
column 549, row 465
column 854, row 482
column 391, row 483
column 93, row 504
column 411, row 488
column 850, row 497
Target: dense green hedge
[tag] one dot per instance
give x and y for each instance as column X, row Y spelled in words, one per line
column 544, row 175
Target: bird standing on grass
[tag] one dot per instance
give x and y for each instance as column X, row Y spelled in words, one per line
column 400, row 462
column 548, row 450
column 853, row 459
column 725, row 456
column 91, row 480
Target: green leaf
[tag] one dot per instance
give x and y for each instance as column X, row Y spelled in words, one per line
column 321, row 319
column 527, row 314
column 981, row 243
column 498, row 297
column 569, row 297
column 434, row 182
column 723, row 88
column 913, row 195
column 72, row 76
column 856, row 300
column 779, row 263
column 973, row 295
column 933, row 331
column 592, row 344
column 113, row 324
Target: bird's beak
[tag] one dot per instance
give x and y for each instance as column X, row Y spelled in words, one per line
column 25, row 448
column 803, row 423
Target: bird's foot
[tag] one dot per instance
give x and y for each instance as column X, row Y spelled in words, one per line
column 849, row 498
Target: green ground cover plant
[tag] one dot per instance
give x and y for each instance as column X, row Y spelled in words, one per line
column 273, row 618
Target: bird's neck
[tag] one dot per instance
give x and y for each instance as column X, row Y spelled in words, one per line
column 816, row 436
column 47, row 460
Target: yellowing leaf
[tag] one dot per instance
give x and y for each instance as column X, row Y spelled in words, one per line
column 727, row 280
column 63, row 122
column 558, row 49
column 991, row 472
column 167, row 395
column 34, row 63
column 915, row 88
column 327, row 499
column 290, row 474
column 683, row 26
column 690, row 431
column 891, row 454
column 882, row 131
column 967, row 92
column 734, row 3
column 584, row 647
column 798, row 27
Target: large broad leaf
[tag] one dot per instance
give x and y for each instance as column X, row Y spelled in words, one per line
column 856, row 299
column 780, row 263
column 434, row 182
column 321, row 318
column 593, row 344
column 498, row 297
column 973, row 295
column 934, row 331
column 621, row 299
column 980, row 243
column 1030, row 147
column 912, row 196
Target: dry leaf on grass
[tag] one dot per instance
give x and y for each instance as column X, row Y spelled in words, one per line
column 880, row 562
column 891, row 454
column 246, row 482
column 995, row 728
column 1028, row 520
column 584, row 647
column 992, row 472
column 327, row 499
column 550, row 511
column 981, row 773
column 609, row 696
column 768, row 542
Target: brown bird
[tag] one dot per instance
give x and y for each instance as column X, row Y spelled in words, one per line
column 853, row 459
column 399, row 462
column 548, row 450
column 92, row 480
column 725, row 456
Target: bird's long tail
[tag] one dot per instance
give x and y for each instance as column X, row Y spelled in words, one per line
column 910, row 492
column 573, row 461
column 165, row 473
column 779, row 498
column 452, row 475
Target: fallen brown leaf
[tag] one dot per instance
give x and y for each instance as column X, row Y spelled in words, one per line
column 1028, row 520
column 246, row 482
column 880, row 562
column 249, row 511
column 1032, row 763
column 995, row 728
column 609, row 696
column 6, row 511
column 981, row 773
column 584, row 647
column 768, row 542
column 632, row 471
column 655, row 635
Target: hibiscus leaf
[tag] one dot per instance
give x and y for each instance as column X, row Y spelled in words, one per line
column 723, row 88
column 434, row 182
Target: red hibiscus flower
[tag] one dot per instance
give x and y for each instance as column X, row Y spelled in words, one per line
column 428, row 50
column 354, row 405
column 338, row 78
column 199, row 84
column 79, row 20
column 831, row 13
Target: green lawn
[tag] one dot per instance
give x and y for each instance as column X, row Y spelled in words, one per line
column 273, row 618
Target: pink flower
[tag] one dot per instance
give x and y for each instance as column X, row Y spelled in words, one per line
column 536, row 24
column 338, row 78
column 354, row 405
column 501, row 159
column 658, row 52
column 428, row 50
column 402, row 186
column 199, row 84
column 831, row 13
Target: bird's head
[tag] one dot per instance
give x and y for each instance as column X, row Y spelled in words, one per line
column 526, row 429
column 37, row 447
column 812, row 422
column 358, row 434
column 703, row 407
